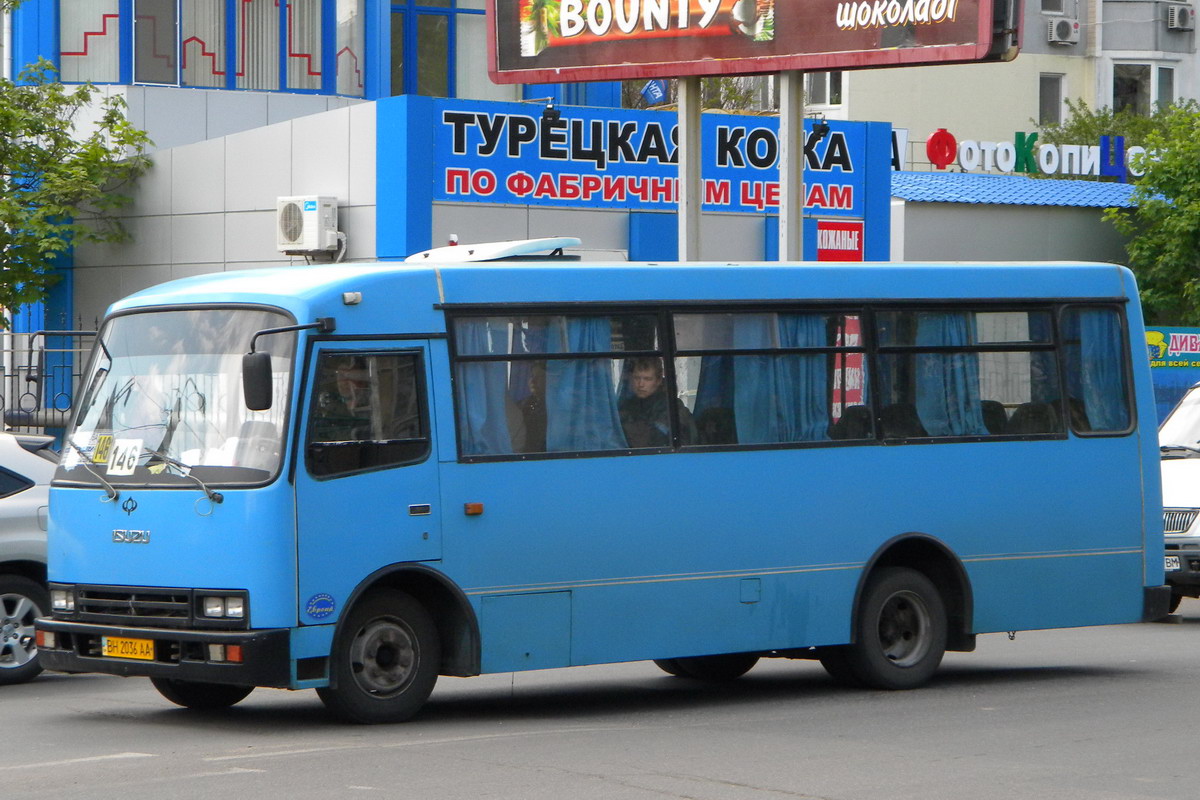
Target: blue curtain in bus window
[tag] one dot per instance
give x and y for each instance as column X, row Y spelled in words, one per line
column 948, row 401
column 780, row 398
column 482, row 387
column 1096, row 369
column 529, row 336
column 714, row 387
column 1043, row 378
column 581, row 401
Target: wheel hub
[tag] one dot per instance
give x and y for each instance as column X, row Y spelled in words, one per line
column 904, row 629
column 383, row 658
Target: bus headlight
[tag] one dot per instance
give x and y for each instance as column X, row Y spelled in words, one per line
column 223, row 606
column 62, row 600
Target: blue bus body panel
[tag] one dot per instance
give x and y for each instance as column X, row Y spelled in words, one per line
column 246, row 542
column 697, row 553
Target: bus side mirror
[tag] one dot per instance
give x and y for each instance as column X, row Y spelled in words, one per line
column 256, row 381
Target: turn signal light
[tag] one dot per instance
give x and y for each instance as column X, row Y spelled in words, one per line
column 472, row 509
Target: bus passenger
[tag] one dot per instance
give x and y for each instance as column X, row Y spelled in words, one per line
column 644, row 414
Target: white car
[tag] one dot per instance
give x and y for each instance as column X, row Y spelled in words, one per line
column 27, row 463
column 1179, row 444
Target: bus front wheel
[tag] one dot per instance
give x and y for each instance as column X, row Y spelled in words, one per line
column 901, row 623
column 202, row 696
column 385, row 660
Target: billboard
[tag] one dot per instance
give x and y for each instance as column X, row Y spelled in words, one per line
column 551, row 41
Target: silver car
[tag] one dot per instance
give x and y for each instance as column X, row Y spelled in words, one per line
column 27, row 464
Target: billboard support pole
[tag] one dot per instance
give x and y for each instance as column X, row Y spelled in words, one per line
column 791, row 165
column 690, row 186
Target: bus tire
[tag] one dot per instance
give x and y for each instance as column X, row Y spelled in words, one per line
column 21, row 602
column 716, row 669
column 836, row 662
column 901, row 631
column 199, row 695
column 669, row 666
column 385, row 660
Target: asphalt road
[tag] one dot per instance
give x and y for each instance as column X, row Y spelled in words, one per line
column 1089, row 713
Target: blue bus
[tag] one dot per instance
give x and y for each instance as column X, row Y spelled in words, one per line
column 356, row 478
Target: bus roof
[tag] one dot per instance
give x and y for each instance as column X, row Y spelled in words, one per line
column 387, row 288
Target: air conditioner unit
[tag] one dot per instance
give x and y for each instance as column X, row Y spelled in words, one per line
column 1063, row 31
column 306, row 224
column 1181, row 18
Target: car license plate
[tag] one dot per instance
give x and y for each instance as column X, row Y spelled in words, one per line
column 120, row 647
column 1171, row 563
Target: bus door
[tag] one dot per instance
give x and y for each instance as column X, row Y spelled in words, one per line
column 366, row 472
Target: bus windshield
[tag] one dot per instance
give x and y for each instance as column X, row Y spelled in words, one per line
column 162, row 400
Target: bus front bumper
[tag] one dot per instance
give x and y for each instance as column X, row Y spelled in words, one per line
column 245, row 658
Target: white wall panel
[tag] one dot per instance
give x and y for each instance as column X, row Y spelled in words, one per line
column 361, row 167
column 258, row 168
column 250, row 238
column 198, row 178
column 320, row 154
column 199, row 239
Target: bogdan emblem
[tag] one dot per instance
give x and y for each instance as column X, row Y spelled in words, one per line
column 319, row 606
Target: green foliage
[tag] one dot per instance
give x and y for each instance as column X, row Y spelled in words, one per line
column 65, row 156
column 1164, row 228
column 1085, row 125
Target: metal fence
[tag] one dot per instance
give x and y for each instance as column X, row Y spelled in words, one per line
column 39, row 378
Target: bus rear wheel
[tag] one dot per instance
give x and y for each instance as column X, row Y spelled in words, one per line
column 201, row 696
column 901, row 624
column 385, row 660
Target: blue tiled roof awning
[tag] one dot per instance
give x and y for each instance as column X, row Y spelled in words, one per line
column 1014, row 190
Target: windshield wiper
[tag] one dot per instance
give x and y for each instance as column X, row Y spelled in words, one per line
column 186, row 472
column 86, row 460
column 1187, row 449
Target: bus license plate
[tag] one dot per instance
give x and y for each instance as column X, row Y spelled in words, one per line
column 119, row 647
column 1171, row 563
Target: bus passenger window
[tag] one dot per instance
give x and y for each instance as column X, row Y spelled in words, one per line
column 549, row 383
column 1095, row 350
column 772, row 377
column 367, row 413
column 967, row 373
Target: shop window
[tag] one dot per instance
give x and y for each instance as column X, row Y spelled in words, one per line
column 154, row 42
column 304, row 68
column 439, row 49
column 351, row 48
column 286, row 46
column 202, row 34
column 89, row 41
column 258, row 38
column 1050, row 99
